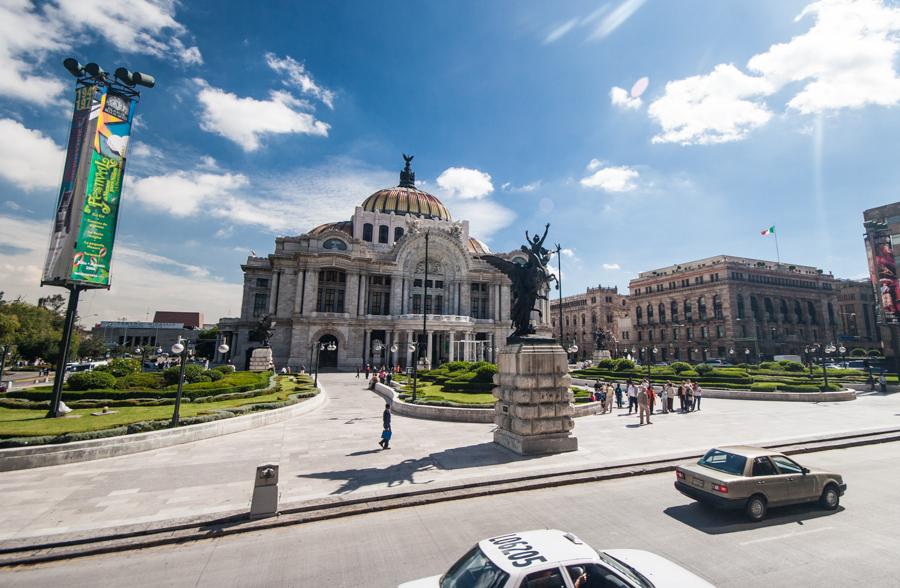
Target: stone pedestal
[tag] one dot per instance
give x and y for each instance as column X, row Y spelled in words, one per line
column 261, row 360
column 534, row 409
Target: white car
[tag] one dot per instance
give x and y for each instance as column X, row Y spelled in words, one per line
column 555, row 559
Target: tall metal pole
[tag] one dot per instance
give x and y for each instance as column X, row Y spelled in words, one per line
column 184, row 353
column 60, row 374
column 316, row 380
column 424, row 325
column 562, row 333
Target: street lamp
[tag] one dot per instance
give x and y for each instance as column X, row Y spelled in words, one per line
column 843, row 350
column 181, row 350
column 830, row 348
column 573, row 349
column 413, row 346
column 330, row 346
column 142, row 352
column 650, row 360
column 747, row 354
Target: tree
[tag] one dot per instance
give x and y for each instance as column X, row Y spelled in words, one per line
column 206, row 342
column 54, row 303
column 93, row 348
column 39, row 329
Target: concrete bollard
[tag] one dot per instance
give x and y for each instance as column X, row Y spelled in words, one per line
column 265, row 492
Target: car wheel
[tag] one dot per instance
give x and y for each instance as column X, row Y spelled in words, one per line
column 830, row 498
column 756, row 508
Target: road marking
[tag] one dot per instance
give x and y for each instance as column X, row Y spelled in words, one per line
column 785, row 536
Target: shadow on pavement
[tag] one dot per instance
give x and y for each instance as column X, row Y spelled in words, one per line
column 718, row 522
column 392, row 476
column 475, row 456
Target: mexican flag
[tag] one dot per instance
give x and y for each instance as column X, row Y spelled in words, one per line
column 769, row 231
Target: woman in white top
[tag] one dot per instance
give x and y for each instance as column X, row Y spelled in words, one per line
column 698, row 394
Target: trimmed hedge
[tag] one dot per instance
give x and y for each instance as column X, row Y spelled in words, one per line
column 90, row 381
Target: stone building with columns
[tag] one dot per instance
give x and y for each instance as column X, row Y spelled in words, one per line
column 600, row 308
column 708, row 308
column 360, row 286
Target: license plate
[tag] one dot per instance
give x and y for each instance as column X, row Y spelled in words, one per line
column 697, row 483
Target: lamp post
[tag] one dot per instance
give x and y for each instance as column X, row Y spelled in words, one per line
column 413, row 346
column 650, row 360
column 573, row 350
column 143, row 352
column 633, row 352
column 830, row 348
column 746, row 355
column 181, row 350
column 330, row 346
column 843, row 350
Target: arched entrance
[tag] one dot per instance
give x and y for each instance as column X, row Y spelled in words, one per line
column 328, row 358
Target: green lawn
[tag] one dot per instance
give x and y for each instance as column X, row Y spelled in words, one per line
column 30, row 423
column 431, row 391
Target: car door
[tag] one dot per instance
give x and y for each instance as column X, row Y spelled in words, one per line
column 546, row 578
column 765, row 478
column 801, row 487
column 593, row 575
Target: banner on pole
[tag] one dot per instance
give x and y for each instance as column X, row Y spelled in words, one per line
column 83, row 232
column 883, row 272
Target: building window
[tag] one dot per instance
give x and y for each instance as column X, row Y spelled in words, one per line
column 417, row 304
column 367, row 232
column 336, row 244
column 717, row 306
column 688, row 311
column 720, row 331
column 740, row 306
column 662, row 313
column 262, row 282
column 332, row 286
column 675, row 334
column 379, row 295
column 398, row 233
column 481, row 301
column 701, row 308
column 260, row 303
column 690, row 333
column 383, row 233
column 704, row 332
column 649, row 314
column 673, row 308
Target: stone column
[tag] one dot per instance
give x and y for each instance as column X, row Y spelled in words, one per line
column 310, row 295
column 465, row 302
column 367, row 345
column 452, row 346
column 298, row 289
column 273, row 290
column 534, row 406
column 429, row 345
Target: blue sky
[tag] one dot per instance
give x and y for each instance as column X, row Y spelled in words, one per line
column 270, row 121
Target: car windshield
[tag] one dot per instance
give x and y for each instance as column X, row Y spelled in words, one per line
column 723, row 461
column 637, row 578
column 474, row 570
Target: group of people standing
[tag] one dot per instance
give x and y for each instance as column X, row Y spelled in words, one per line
column 642, row 397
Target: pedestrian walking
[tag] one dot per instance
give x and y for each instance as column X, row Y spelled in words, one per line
column 671, row 405
column 681, row 397
column 698, row 394
column 882, row 383
column 632, row 396
column 643, row 411
column 664, row 397
column 689, row 396
column 357, row 373
column 597, row 388
column 609, row 398
column 386, row 427
column 651, row 397
column 618, row 395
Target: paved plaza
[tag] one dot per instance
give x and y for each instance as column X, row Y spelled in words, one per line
column 333, row 452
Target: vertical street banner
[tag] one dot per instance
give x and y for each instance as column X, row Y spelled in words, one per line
column 84, row 228
column 883, row 272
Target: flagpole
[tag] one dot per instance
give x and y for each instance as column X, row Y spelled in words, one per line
column 777, row 252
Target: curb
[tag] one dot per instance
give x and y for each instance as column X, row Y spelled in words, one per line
column 38, row 456
column 18, row 553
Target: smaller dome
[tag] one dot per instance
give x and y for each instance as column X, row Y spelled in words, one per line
column 343, row 226
column 477, row 247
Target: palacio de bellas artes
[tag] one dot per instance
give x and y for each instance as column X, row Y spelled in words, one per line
column 354, row 291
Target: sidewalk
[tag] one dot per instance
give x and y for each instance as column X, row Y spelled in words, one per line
column 333, row 452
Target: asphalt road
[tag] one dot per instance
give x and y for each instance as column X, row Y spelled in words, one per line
column 857, row 545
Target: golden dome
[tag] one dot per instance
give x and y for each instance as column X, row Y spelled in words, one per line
column 406, row 200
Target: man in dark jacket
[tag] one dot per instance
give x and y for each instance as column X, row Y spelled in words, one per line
column 386, row 425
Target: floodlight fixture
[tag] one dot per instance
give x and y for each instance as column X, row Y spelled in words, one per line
column 125, row 76
column 94, row 70
column 75, row 68
column 223, row 348
column 143, row 79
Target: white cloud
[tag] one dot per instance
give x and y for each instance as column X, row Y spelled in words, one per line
column 29, row 33
column 612, row 179
column 485, row 216
column 845, row 60
column 530, row 187
column 140, row 281
column 132, row 26
column 616, row 18
column 594, row 164
column 611, row 266
column 296, row 75
column 28, row 158
column 26, row 37
column 463, row 182
column 246, row 120
column 713, row 108
column 183, row 193
column 621, row 98
column 560, row 31
column 567, row 252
